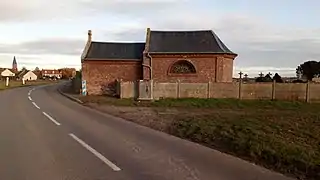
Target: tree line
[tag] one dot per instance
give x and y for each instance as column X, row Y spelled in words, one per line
column 308, row 69
column 304, row 71
column 66, row 73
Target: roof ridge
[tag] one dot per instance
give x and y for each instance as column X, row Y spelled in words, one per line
column 199, row 30
column 218, row 41
column 222, row 46
column 114, row 42
column 116, row 50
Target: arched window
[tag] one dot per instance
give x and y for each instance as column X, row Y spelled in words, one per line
column 182, row 67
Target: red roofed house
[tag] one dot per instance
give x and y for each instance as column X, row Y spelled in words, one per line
column 51, row 73
column 165, row 56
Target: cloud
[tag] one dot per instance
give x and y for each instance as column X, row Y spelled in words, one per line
column 50, row 61
column 255, row 71
column 45, row 46
column 31, row 10
column 260, row 43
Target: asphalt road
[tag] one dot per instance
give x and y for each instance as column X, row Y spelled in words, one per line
column 44, row 136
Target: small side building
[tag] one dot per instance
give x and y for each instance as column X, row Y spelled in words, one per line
column 105, row 62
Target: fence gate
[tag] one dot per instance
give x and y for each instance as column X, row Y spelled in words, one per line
column 145, row 90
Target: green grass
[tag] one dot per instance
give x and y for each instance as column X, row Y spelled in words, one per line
column 287, row 141
column 228, row 103
column 208, row 103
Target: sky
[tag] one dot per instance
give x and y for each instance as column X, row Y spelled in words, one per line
column 268, row 36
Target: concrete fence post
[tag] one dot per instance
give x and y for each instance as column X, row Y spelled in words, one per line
column 308, row 91
column 240, row 89
column 151, row 89
column 209, row 89
column 273, row 90
column 120, row 88
column 178, row 88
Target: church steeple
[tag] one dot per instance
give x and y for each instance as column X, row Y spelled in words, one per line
column 14, row 64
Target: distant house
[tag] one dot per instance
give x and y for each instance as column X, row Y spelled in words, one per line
column 51, row 73
column 7, row 73
column 316, row 79
column 29, row 76
column 20, row 74
column 68, row 72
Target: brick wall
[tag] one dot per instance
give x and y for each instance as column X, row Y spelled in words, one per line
column 279, row 91
column 214, row 68
column 101, row 76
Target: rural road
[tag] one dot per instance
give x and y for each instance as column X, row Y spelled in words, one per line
column 44, row 135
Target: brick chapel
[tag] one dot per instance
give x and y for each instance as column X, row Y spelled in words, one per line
column 165, row 56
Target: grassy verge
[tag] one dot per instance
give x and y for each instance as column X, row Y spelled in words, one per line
column 284, row 136
column 287, row 142
column 108, row 100
column 206, row 103
column 15, row 84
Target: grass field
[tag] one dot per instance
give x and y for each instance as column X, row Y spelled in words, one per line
column 283, row 136
column 15, row 84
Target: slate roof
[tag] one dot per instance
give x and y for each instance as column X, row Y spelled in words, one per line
column 201, row 41
column 114, row 50
column 22, row 73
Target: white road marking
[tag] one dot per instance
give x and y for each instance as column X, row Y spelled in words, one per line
column 29, row 93
column 35, row 105
column 29, row 98
column 96, row 153
column 51, row 119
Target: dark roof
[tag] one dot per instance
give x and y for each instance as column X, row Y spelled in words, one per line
column 22, row 73
column 113, row 50
column 12, row 70
column 203, row 41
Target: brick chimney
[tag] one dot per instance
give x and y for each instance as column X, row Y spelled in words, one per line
column 89, row 35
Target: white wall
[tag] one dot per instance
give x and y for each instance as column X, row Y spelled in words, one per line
column 7, row 73
column 30, row 76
